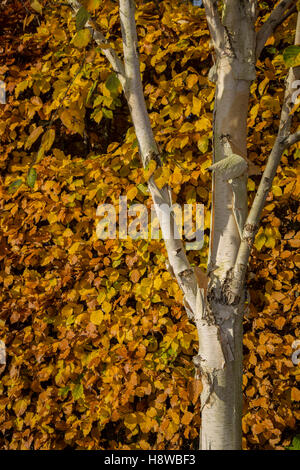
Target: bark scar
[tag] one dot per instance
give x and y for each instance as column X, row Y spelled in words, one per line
column 209, row 381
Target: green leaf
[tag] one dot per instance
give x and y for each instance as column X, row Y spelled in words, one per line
column 63, row 392
column 81, row 18
column 108, row 113
column 291, row 56
column 112, row 83
column 31, row 177
column 35, row 5
column 40, row 154
column 91, row 91
column 81, row 38
column 143, row 188
column 14, row 186
column 77, row 391
column 98, row 101
column 134, row 144
column 295, row 443
column 260, row 240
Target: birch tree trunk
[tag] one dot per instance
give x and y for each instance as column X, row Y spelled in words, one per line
column 221, row 415
column 234, row 70
column 237, row 46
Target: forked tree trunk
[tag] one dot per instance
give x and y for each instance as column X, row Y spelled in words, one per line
column 219, row 315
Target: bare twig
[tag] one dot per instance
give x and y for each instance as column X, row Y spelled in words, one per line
column 280, row 13
column 292, row 139
column 30, row 13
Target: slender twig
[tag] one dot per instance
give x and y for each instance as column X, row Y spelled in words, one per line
column 280, row 13
column 30, row 13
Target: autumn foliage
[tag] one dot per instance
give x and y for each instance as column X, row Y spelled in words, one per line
column 99, row 346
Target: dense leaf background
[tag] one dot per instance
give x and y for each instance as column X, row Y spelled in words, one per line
column 99, row 346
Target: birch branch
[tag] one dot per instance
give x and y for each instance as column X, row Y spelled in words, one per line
column 162, row 199
column 215, row 25
column 280, row 13
column 130, row 79
column 292, row 139
column 283, row 141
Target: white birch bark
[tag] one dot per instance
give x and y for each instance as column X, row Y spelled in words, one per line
column 283, row 141
column 235, row 68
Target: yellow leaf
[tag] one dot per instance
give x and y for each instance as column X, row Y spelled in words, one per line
column 160, row 67
column 131, row 194
column 196, row 106
column 72, row 119
column 176, row 176
column 251, row 185
column 96, row 317
column 176, row 111
column 106, row 306
column 151, row 412
column 148, row 172
column 191, row 80
column 67, row 310
column 202, row 124
column 59, row 34
column 187, row 127
column 187, row 418
column 101, row 297
column 162, row 176
column 33, row 137
column 262, row 85
column 295, row 394
column 74, row 248
column 203, row 143
column 131, row 421
column 81, row 38
column 20, row 407
column 36, row 6
column 21, row 87
column 276, row 191
column 48, row 139
column 68, row 233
